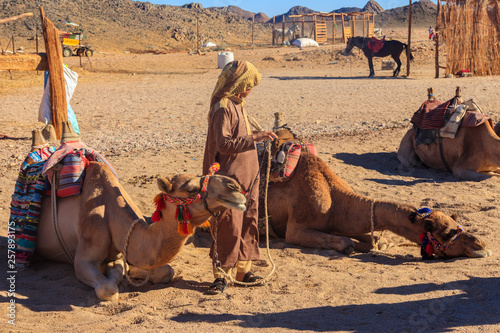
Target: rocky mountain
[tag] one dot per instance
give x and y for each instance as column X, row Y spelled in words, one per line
column 134, row 25
column 424, row 13
column 373, row 7
column 143, row 26
column 346, row 10
column 296, row 10
column 259, row 17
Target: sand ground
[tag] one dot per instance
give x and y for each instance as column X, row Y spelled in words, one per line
column 146, row 114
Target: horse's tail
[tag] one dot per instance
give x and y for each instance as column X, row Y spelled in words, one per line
column 406, row 48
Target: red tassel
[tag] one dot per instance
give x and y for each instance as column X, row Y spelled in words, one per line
column 184, row 229
column 156, row 216
column 422, row 236
column 429, row 249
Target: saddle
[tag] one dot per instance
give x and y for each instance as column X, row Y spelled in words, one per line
column 434, row 118
column 285, row 155
column 375, row 44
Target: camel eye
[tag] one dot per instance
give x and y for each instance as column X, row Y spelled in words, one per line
column 234, row 187
column 449, row 235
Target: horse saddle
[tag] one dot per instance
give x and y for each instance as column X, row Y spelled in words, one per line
column 375, row 44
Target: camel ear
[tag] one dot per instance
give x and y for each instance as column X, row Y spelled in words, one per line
column 454, row 216
column 429, row 225
column 164, row 184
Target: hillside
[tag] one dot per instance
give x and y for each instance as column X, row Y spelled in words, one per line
column 424, row 13
column 141, row 26
column 125, row 24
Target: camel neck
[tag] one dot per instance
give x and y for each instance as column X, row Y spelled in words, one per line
column 155, row 244
column 394, row 217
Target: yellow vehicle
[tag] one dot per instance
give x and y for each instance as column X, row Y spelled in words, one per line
column 73, row 42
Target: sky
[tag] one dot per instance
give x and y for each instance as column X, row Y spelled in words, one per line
column 277, row 7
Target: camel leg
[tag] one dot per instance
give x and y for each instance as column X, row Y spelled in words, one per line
column 469, row 174
column 302, row 236
column 363, row 243
column 87, row 269
column 406, row 152
column 162, row 274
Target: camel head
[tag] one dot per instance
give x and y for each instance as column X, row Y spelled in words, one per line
column 222, row 192
column 450, row 240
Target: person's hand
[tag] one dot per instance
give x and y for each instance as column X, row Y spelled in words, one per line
column 264, row 135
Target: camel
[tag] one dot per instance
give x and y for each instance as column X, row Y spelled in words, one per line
column 317, row 209
column 94, row 226
column 474, row 153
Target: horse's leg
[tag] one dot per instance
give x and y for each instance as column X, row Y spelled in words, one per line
column 398, row 62
column 370, row 64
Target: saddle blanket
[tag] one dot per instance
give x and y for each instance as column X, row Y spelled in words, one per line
column 26, row 203
column 286, row 159
column 376, row 44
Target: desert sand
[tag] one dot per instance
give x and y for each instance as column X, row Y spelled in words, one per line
column 147, row 115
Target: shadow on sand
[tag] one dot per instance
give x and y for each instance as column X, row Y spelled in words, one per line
column 469, row 303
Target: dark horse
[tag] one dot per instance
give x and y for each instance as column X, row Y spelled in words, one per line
column 393, row 48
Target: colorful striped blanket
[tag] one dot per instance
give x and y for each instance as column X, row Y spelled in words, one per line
column 430, row 115
column 26, row 202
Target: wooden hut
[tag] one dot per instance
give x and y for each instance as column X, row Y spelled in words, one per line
column 470, row 29
column 347, row 22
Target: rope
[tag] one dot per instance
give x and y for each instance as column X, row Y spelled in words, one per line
column 273, row 265
column 136, row 284
column 372, row 225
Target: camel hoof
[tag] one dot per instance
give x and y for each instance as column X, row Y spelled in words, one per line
column 107, row 291
column 348, row 250
column 162, row 274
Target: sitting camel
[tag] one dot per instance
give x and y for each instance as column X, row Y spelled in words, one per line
column 473, row 153
column 95, row 225
column 317, row 209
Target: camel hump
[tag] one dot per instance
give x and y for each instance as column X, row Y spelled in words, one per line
column 315, row 167
column 97, row 172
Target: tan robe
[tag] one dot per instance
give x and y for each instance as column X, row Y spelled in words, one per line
column 229, row 144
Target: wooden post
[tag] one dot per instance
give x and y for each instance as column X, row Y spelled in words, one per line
column 303, row 31
column 353, row 32
column 53, row 48
column 253, row 29
column 13, row 47
column 274, row 28
column 333, row 30
column 283, row 30
column 13, row 18
column 364, row 26
column 408, row 48
column 343, row 29
column 314, row 26
column 437, row 55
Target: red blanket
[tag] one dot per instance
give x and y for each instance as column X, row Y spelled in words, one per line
column 430, row 114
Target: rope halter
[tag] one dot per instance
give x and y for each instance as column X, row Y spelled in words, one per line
column 182, row 213
column 429, row 243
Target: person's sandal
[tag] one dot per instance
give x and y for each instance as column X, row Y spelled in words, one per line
column 251, row 277
column 218, row 287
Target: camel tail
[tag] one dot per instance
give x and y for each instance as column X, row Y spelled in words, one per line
column 406, row 48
